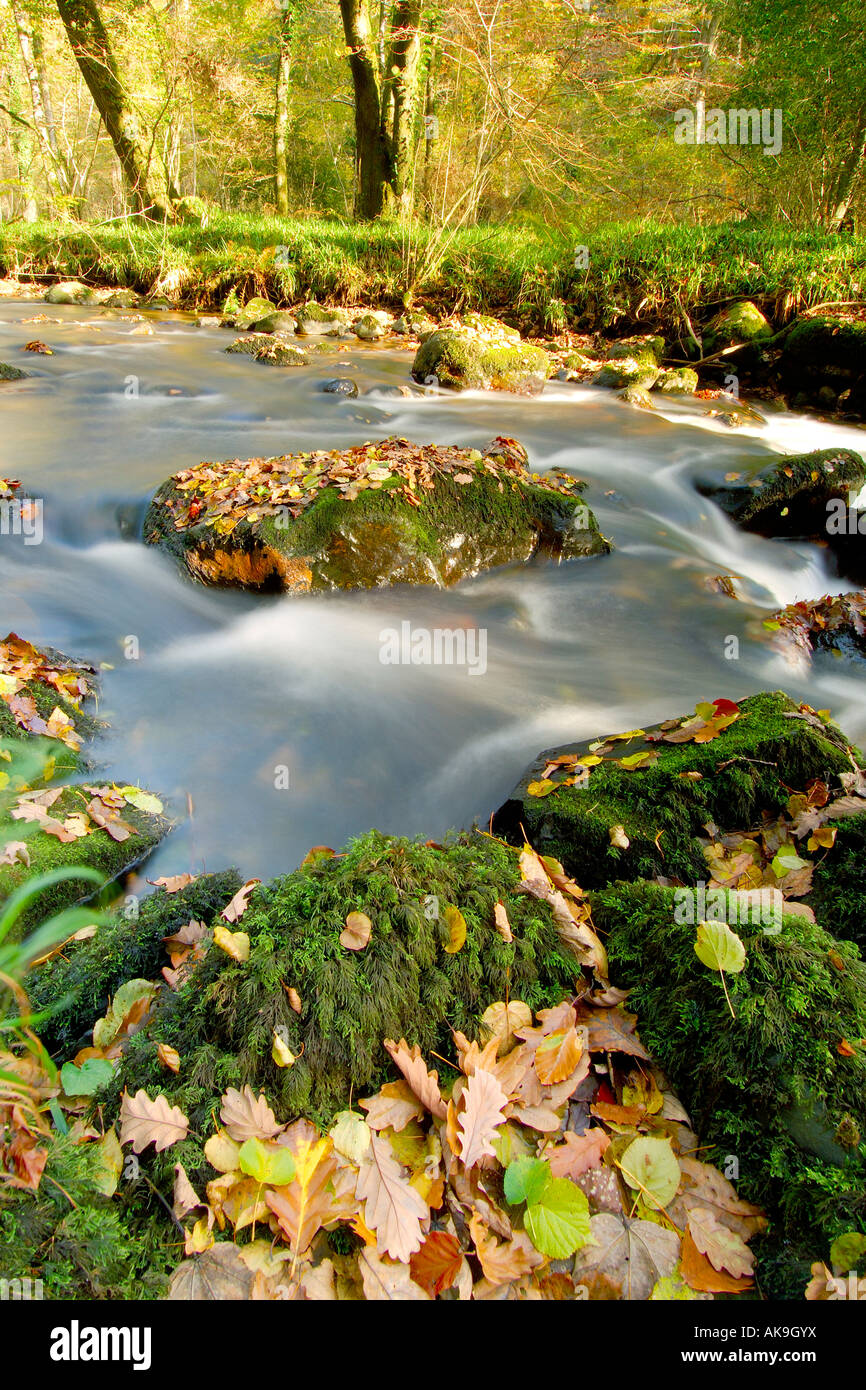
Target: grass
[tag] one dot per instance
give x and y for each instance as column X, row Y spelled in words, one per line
column 639, row 273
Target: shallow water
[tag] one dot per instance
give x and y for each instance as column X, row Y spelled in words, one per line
column 229, row 686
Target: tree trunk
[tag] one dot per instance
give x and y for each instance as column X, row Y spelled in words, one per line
column 845, row 185
column 56, row 172
column 386, row 98
column 403, row 69
column 146, row 184
column 281, row 106
column 373, row 172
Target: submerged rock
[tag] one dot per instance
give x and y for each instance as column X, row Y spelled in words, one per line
column 480, row 354
column 340, row 386
column 10, row 373
column 280, row 321
column 377, row 514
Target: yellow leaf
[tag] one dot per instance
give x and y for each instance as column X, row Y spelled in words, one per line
column 235, row 944
column 281, row 1053
column 169, row 1057
column 456, row 924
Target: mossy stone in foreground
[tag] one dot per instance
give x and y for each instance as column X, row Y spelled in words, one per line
column 403, row 983
column 479, row 511
column 768, row 1086
column 75, row 986
column 750, row 767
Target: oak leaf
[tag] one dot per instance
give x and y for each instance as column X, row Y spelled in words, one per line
column 578, row 1153
column 502, row 1261
column 392, row 1207
column 424, row 1083
column 247, row 1117
column 392, row 1107
column 384, row 1280
column 482, row 1113
column 699, row 1274
column 144, row 1121
column 723, row 1247
column 239, row 903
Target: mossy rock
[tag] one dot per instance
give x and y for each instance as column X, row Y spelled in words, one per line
column 315, row 320
column 192, row 211
column 647, row 349
column 280, row 321
column 791, row 496
column 10, row 373
column 823, row 351
column 481, row 354
column 268, row 348
column 768, row 1086
column 742, row 322
column 75, row 987
column 676, row 381
column 626, row 372
column 39, row 762
column 254, row 309
column 481, row 511
column 637, row 396
column 750, row 767
column 70, row 292
column 404, row 983
column 838, row 896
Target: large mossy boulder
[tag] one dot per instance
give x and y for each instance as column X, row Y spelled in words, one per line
column 317, row 320
column 766, row 1080
column 409, row 980
column 255, row 309
column 823, row 361
column 55, row 811
column 70, row 292
column 480, row 353
column 377, row 514
column 664, row 794
column 798, row 496
column 742, row 322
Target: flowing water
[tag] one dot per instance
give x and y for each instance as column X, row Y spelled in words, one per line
column 228, row 686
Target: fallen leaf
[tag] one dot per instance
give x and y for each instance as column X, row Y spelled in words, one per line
column 246, row 1117
column 392, row 1207
column 437, row 1263
column 484, row 1103
column 384, row 1280
column 356, row 933
column 144, row 1121
column 239, row 903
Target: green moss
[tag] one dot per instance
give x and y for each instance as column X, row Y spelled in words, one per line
column 76, row 985
column 767, row 1086
column 750, row 767
column 739, row 323
column 464, row 359
column 790, row 495
column 97, row 850
column 404, row 983
column 83, row 1245
column 817, row 343
column 838, row 896
column 677, row 381
column 254, row 309
column 380, row 538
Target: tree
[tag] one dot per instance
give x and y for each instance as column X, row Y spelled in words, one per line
column 286, row 35
column 385, row 82
column 146, row 181
column 57, row 171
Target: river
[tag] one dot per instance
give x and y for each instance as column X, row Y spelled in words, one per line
column 227, row 686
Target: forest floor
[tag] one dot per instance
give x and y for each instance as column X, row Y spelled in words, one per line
column 619, row 276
